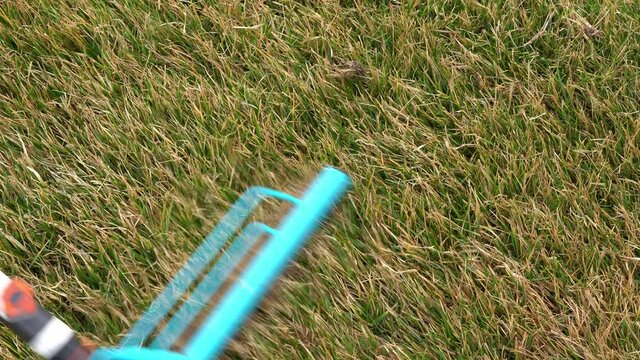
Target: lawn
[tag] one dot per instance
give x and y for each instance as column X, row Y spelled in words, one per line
column 494, row 148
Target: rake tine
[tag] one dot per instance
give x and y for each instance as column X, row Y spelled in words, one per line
column 212, row 244
column 209, row 285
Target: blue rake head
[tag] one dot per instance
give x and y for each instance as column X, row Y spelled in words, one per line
column 220, row 323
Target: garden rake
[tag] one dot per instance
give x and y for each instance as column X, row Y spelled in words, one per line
column 201, row 309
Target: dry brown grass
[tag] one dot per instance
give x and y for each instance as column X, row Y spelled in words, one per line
column 494, row 148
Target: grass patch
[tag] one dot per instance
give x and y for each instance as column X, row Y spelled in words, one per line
column 494, row 148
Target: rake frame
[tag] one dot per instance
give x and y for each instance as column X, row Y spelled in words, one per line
column 237, row 303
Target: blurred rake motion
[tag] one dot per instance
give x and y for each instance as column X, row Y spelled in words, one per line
column 201, row 309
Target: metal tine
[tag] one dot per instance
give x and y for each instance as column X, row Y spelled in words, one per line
column 203, row 293
column 196, row 264
column 212, row 244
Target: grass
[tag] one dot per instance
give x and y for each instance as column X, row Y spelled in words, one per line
column 494, row 148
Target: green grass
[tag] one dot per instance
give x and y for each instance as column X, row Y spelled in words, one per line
column 494, row 148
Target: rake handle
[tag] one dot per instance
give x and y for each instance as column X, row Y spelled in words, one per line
column 47, row 335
